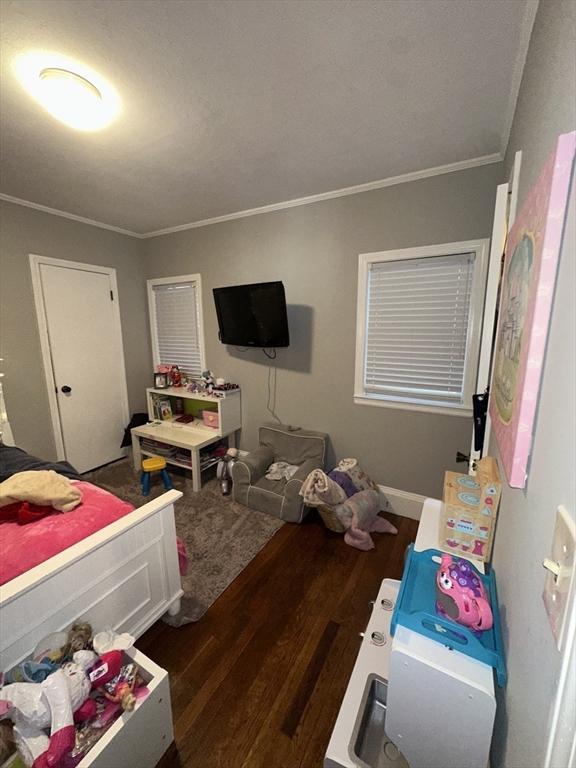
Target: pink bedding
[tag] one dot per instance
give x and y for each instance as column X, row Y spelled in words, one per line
column 24, row 546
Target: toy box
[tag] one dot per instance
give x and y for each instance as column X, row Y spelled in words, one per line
column 469, row 511
column 210, row 419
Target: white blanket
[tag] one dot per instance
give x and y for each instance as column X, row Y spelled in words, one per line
column 281, row 469
column 43, row 487
column 320, row 489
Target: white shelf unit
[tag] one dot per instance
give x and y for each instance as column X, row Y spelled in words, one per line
column 191, row 437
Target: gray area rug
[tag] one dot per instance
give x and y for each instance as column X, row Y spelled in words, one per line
column 221, row 537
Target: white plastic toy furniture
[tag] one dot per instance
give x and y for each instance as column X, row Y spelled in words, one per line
column 411, row 702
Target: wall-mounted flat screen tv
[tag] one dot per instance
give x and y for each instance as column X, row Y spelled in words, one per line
column 252, row 315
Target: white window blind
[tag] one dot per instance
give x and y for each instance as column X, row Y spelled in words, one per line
column 417, row 329
column 177, row 325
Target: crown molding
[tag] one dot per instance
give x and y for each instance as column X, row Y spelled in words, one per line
column 517, row 71
column 404, row 178
column 439, row 170
column 66, row 215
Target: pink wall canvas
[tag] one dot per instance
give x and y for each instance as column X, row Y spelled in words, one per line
column 527, row 291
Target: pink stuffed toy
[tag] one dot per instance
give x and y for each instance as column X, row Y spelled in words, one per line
column 461, row 595
column 359, row 515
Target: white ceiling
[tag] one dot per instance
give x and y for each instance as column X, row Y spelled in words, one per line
column 234, row 104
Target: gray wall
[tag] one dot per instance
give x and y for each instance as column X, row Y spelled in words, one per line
column 24, row 231
column 314, row 250
column 546, row 108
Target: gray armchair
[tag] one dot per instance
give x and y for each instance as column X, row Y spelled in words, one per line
column 280, row 498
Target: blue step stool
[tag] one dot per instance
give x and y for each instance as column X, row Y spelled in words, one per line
column 154, row 464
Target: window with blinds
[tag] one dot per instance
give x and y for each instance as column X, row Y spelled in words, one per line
column 176, row 322
column 419, row 340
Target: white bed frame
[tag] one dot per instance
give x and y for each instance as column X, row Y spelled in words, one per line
column 124, row 576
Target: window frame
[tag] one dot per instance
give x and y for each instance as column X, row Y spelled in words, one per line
column 197, row 280
column 474, row 333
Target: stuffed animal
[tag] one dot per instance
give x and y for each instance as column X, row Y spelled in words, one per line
column 79, row 639
column 208, row 381
column 343, row 508
column 53, row 703
column 7, row 743
column 359, row 516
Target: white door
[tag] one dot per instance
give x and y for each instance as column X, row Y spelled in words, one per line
column 85, row 352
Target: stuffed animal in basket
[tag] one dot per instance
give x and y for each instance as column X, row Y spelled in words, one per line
column 55, row 703
column 348, row 500
column 461, row 595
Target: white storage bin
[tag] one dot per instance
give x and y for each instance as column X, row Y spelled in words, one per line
column 138, row 739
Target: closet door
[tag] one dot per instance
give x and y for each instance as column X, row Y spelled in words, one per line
column 82, row 326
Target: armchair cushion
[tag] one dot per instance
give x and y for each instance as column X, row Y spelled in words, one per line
column 257, row 462
column 249, row 470
column 293, row 444
column 294, row 503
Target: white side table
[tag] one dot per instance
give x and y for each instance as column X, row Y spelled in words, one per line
column 186, row 438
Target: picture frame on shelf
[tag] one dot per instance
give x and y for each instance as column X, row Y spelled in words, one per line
column 165, row 409
column 160, row 380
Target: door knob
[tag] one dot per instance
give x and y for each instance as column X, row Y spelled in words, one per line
column 66, row 389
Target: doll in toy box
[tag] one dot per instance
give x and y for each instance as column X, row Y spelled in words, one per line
column 469, row 511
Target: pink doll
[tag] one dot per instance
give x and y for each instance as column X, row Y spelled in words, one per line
column 120, row 689
column 120, row 694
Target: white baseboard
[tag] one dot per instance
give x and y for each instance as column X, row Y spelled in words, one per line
column 401, row 503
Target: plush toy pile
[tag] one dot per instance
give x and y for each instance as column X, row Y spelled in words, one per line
column 70, row 693
column 348, row 501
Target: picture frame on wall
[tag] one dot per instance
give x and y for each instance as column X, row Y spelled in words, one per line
column 160, row 380
column 527, row 290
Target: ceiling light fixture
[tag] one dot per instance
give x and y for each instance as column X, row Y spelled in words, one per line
column 70, row 91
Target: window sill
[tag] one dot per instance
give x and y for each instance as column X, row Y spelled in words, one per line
column 446, row 410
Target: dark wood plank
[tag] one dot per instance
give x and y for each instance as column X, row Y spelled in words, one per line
column 311, row 675
column 258, row 681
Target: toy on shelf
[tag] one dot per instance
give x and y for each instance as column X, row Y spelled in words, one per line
column 207, row 381
column 225, row 386
column 460, row 594
column 175, row 377
column 469, row 511
column 210, row 419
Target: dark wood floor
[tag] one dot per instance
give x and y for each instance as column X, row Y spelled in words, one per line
column 258, row 681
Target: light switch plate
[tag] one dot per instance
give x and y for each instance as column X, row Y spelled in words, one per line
column 558, row 592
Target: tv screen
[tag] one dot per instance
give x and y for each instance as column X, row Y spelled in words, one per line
column 252, row 315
